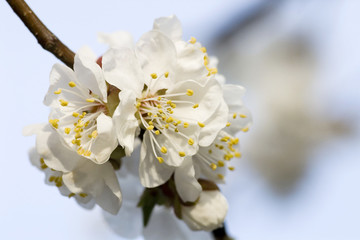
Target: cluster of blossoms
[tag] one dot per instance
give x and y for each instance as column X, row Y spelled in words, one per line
column 158, row 106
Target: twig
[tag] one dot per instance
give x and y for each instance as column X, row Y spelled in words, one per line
column 220, row 234
column 44, row 36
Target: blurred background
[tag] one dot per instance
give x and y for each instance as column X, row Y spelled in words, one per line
column 300, row 62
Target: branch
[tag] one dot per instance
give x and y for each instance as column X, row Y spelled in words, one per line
column 43, row 35
column 220, row 234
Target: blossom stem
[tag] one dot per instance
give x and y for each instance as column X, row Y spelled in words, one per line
column 220, row 234
column 43, row 35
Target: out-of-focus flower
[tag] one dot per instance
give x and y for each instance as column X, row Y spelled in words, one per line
column 75, row 175
column 80, row 112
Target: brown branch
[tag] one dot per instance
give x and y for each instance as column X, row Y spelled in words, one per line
column 221, row 234
column 43, row 35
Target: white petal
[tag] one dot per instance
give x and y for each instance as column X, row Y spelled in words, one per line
column 213, row 125
column 151, row 172
column 118, row 39
column 60, row 76
column 122, row 69
column 156, row 53
column 56, row 155
column 98, row 180
column 190, row 63
column 186, row 184
column 208, row 214
column 34, row 158
column 89, row 73
column 125, row 121
column 105, row 143
column 171, row 26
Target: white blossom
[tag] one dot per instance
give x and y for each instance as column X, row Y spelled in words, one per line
column 75, row 175
column 80, row 112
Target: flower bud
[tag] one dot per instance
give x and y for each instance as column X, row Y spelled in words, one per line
column 208, row 213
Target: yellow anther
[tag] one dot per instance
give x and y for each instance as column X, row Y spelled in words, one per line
column 72, row 84
column 87, row 123
column 153, row 75
column 213, row 166
column 166, row 74
column 182, row 154
column 243, row 116
column 201, row 124
column 57, row 91
column 163, row 149
column 245, row 129
column 83, row 195
column 196, row 105
column 171, row 112
column 78, row 135
column 189, row 92
column 76, row 142
column 175, row 123
column 186, row 124
column 80, row 123
column 231, row 168
column 210, row 151
column 138, row 104
column 90, row 100
column 71, row 195
column 234, row 141
column 173, row 105
column 52, row 178
column 234, row 115
column 94, row 134
column 213, row 70
column 220, row 176
column 221, row 163
column 58, row 184
column 151, row 123
column 155, row 116
column 191, row 141
column 54, row 123
column 149, row 114
column 42, row 161
column 192, row 40
column 178, row 121
column 158, row 106
column 151, row 127
column 228, row 124
column 63, row 102
column 176, row 130
column 206, row 60
column 170, row 119
column 225, row 139
column 161, row 111
column 160, row 159
column 163, row 117
column 203, row 49
column 159, row 98
column 87, row 153
column 44, row 166
column 168, row 102
column 167, row 126
column 75, row 114
column 157, row 132
column 80, row 151
column 237, row 154
column 67, row 130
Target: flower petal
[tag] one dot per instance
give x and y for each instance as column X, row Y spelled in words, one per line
column 151, row 172
column 171, row 26
column 89, row 73
column 117, row 39
column 122, row 69
column 56, row 155
column 186, row 184
column 125, row 121
column 156, row 53
column 209, row 212
column 98, row 180
column 105, row 143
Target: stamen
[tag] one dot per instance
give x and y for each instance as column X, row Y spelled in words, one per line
column 196, row 105
column 90, row 100
column 242, row 115
column 189, row 92
column 192, row 40
column 160, row 159
column 153, row 75
column 72, row 84
column 191, row 141
column 166, row 74
column 57, row 91
column 63, row 102
column 182, row 154
column 213, row 166
column 201, row 124
column 203, row 49
column 163, row 149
